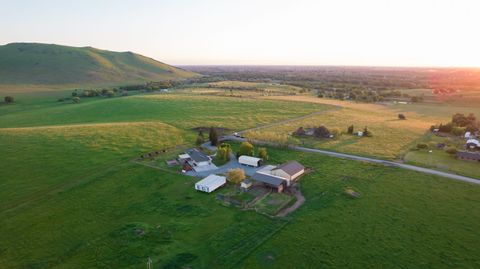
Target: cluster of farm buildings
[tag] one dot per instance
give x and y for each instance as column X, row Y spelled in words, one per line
column 276, row 177
column 472, row 146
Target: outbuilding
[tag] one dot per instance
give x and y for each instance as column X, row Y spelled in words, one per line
column 290, row 171
column 249, row 161
column 210, row 183
column 246, row 184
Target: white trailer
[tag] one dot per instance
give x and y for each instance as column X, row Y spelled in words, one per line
column 210, row 183
column 250, row 161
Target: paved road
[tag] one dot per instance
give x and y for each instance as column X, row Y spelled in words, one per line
column 370, row 160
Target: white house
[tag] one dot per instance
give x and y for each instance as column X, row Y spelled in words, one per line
column 290, row 171
column 250, row 161
column 195, row 157
column 210, row 183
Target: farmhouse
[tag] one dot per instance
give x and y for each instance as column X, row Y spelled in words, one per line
column 290, row 171
column 195, row 157
column 210, row 183
column 470, row 156
column 249, row 161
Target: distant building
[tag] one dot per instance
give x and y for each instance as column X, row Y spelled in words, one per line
column 468, row 134
column 210, row 183
column 470, row 156
column 472, row 144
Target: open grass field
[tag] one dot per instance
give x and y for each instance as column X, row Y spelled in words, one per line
column 73, row 200
column 179, row 110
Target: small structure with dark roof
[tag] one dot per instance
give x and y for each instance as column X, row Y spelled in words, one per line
column 470, row 156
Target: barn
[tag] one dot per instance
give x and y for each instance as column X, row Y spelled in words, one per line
column 250, row 161
column 290, row 171
column 210, row 183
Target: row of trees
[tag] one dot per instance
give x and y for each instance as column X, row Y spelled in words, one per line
column 459, row 124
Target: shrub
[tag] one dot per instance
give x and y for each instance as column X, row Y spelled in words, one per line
column 335, row 132
column 263, row 154
column 422, row 146
column 451, row 150
column 245, row 149
column 367, row 132
column 321, row 131
column 402, row 117
column 76, row 100
column 223, row 152
column 8, row 99
column 458, row 131
column 236, row 175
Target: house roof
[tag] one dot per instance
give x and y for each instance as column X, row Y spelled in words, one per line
column 291, row 167
column 198, row 156
column 473, row 141
column 212, row 180
column 268, row 179
column 469, row 155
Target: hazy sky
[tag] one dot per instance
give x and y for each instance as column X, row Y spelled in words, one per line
column 340, row 32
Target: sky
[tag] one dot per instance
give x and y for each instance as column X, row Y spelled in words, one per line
column 261, row 32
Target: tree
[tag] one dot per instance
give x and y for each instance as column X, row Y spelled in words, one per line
column 401, row 117
column 236, row 175
column 350, row 129
column 245, row 149
column 213, row 136
column 224, row 151
column 8, row 99
column 263, row 154
column 76, row 100
column 422, row 146
column 367, row 132
column 200, row 139
column 321, row 131
column 451, row 150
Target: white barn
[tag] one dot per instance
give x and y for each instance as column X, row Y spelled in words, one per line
column 210, row 183
column 250, row 161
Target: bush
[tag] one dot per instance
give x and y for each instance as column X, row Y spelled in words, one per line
column 76, row 100
column 321, row 132
column 223, row 152
column 458, row 131
column 8, row 99
column 402, row 117
column 451, row 150
column 335, row 132
column 263, row 154
column 245, row 149
column 367, row 132
column 236, row 175
column 422, row 146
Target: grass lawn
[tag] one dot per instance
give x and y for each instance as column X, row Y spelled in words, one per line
column 273, row 203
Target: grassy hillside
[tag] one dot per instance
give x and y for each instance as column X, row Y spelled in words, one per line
column 46, row 65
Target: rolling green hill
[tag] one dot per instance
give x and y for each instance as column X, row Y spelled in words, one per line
column 47, row 66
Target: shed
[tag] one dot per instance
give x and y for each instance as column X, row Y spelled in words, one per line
column 247, row 183
column 210, row 183
column 250, row 161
